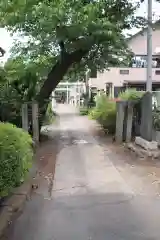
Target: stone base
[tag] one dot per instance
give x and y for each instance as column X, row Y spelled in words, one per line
column 149, row 146
column 143, row 153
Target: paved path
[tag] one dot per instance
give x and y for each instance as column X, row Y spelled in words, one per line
column 89, row 199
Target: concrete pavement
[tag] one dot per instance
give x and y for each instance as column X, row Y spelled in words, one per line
column 88, row 198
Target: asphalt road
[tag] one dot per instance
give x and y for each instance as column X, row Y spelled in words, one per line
column 88, row 199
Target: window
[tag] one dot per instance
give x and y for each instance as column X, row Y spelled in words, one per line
column 118, row 90
column 141, row 62
column 124, row 72
column 157, row 72
column 93, row 73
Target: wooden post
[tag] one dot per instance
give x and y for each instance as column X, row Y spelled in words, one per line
column 35, row 122
column 146, row 118
column 25, row 116
column 129, row 122
column 120, row 120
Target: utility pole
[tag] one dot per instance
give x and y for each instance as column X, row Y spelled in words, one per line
column 146, row 109
column 149, row 48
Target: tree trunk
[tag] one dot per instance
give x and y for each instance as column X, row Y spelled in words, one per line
column 55, row 76
column 57, row 73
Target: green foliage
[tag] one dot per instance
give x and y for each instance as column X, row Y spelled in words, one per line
column 72, row 35
column 84, row 111
column 10, row 104
column 156, row 119
column 15, row 157
column 105, row 110
column 54, row 28
column 19, row 82
column 105, row 113
column 131, row 94
column 24, row 77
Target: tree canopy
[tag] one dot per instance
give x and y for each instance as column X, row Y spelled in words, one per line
column 69, row 34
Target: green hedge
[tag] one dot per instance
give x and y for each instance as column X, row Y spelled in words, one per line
column 105, row 113
column 15, row 157
column 105, row 110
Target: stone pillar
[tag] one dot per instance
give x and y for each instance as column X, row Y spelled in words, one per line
column 146, row 117
column 35, row 122
column 25, row 116
column 129, row 122
column 120, row 107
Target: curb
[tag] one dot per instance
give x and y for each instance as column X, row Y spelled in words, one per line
column 14, row 205
column 142, row 153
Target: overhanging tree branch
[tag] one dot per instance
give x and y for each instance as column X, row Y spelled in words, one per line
column 57, row 73
column 62, row 48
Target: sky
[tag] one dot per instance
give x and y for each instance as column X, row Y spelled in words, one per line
column 6, row 40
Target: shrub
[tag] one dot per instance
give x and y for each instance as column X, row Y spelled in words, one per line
column 105, row 113
column 15, row 157
column 105, row 110
column 84, row 111
column 156, row 119
column 131, row 94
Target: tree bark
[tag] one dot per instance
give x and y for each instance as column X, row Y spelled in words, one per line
column 57, row 73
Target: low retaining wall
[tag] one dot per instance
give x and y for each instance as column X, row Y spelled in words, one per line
column 13, row 205
column 156, row 136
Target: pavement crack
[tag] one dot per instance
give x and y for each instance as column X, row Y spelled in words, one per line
column 50, row 186
column 73, row 187
column 95, row 204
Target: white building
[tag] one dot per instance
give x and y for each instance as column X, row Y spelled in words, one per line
column 71, row 91
column 135, row 75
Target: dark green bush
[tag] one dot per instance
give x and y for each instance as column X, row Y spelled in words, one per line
column 15, row 157
column 10, row 105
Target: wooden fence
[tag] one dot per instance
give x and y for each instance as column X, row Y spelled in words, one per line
column 30, row 112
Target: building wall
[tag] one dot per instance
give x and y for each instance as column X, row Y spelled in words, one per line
column 138, row 44
column 114, row 76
